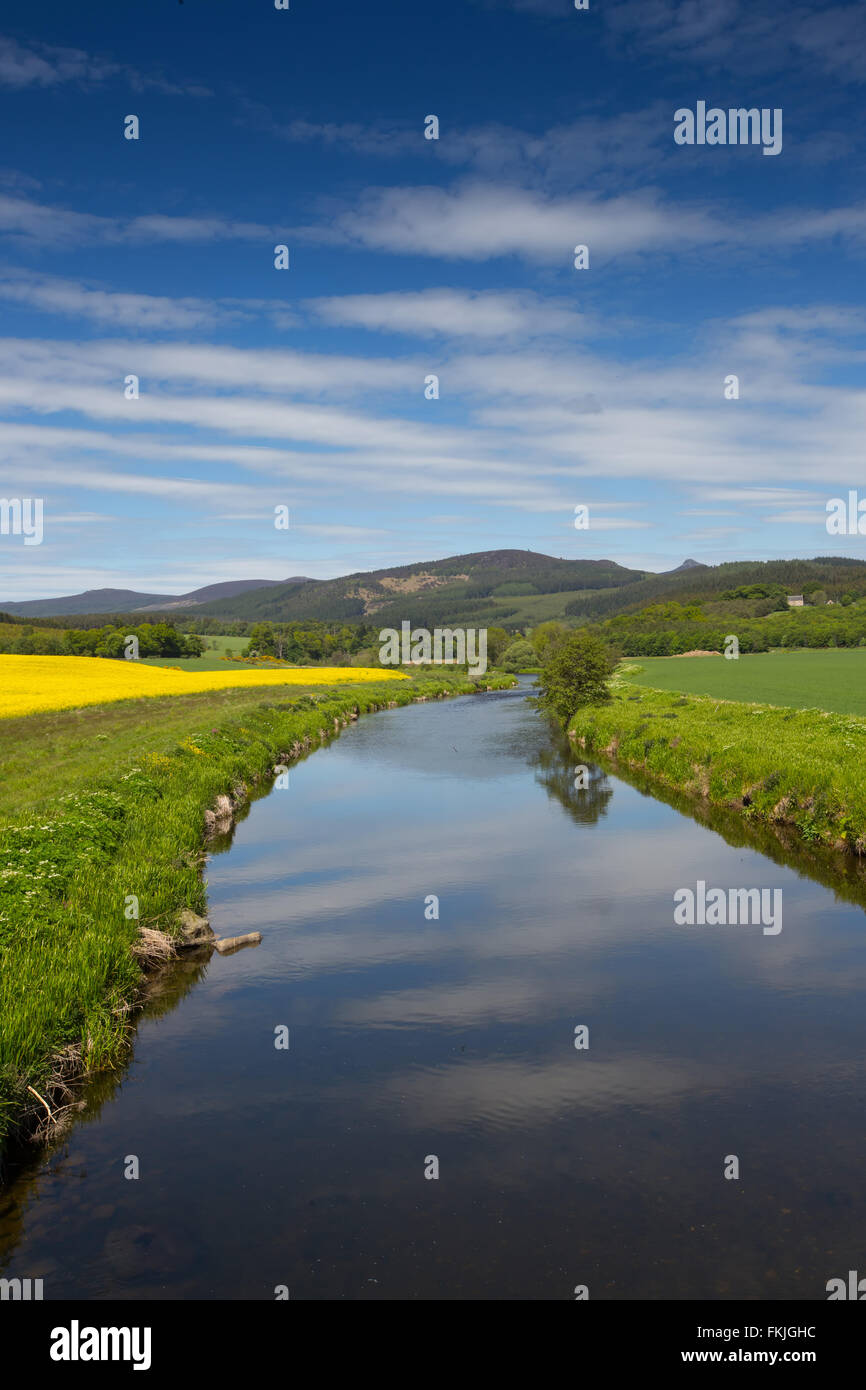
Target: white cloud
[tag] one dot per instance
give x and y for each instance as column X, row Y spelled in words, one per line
column 526, row 429
column 47, row 65
column 178, row 365
column 158, row 227
column 24, row 218
column 471, row 221
column 374, row 138
column 478, row 221
column 140, row 312
column 747, row 36
column 481, row 221
column 602, row 147
column 453, row 313
column 23, row 65
column 53, row 295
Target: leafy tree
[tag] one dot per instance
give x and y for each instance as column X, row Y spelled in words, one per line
column 261, row 640
column 576, row 674
column 497, row 641
column 150, row 640
column 518, row 656
column 112, row 645
column 546, row 638
column 169, row 641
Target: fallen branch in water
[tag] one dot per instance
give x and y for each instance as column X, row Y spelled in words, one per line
column 227, row 944
column 44, row 1101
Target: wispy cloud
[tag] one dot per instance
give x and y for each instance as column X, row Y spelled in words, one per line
column 453, row 313
column 145, row 313
column 24, row 218
column 51, row 294
column 478, row 221
column 742, row 35
column 576, row 414
column 47, row 65
column 602, row 146
column 745, row 35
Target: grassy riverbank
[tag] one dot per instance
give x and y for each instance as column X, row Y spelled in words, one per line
column 797, row 767
column 103, row 805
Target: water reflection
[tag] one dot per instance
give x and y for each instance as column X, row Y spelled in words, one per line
column 584, row 796
column 454, row 1036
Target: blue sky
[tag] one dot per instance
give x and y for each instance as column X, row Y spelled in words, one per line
column 409, row 257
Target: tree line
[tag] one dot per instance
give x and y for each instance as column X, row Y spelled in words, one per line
column 154, row 639
column 672, row 628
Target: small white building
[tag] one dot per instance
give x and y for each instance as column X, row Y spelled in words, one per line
column 795, row 600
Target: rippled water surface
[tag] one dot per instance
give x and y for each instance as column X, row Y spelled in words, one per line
column 412, row 1037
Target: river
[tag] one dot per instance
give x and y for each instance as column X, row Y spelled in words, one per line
column 414, row 1037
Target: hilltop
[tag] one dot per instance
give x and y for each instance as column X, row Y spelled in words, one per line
column 131, row 601
column 488, row 586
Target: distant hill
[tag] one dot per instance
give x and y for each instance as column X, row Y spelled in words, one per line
column 686, row 565
column 130, row 601
column 486, row 586
column 212, row 593
column 92, row 601
column 512, row 588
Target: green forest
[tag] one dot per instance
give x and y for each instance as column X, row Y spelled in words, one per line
column 758, row 615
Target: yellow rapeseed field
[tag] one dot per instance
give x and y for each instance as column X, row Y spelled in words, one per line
column 31, row 684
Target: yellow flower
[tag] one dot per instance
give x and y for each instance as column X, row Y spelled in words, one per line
column 158, row 760
column 30, row 684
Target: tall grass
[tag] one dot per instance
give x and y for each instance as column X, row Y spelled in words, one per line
column 797, row 767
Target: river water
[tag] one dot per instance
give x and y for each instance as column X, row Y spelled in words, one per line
column 414, row 1038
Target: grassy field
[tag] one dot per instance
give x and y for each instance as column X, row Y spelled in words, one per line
column 211, row 660
column 830, row 678
column 103, row 810
column 96, row 743
column 795, row 767
column 219, row 644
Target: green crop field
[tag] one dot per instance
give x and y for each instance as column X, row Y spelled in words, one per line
column 831, row 678
column 218, row 647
